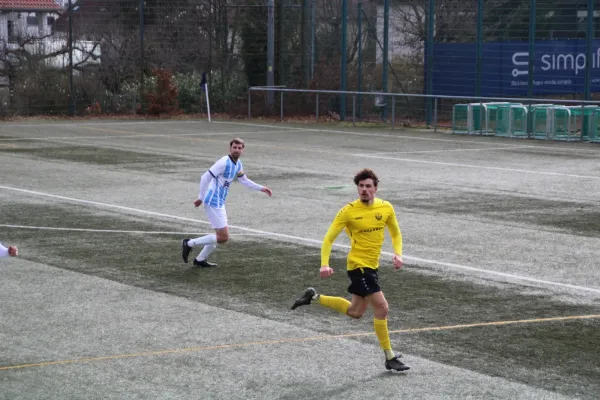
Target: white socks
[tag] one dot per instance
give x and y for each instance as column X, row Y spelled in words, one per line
column 389, row 354
column 209, row 248
column 203, row 241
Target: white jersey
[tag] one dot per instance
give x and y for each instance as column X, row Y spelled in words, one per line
column 223, row 172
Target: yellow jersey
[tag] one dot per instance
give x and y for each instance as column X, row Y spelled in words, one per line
column 365, row 225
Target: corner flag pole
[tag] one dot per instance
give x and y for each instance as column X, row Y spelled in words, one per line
column 204, row 84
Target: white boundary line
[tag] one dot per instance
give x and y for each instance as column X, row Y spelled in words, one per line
column 311, row 241
column 54, row 228
column 383, row 153
column 280, row 129
column 128, row 135
column 410, row 160
column 478, row 167
column 200, row 136
column 406, row 137
column 43, row 124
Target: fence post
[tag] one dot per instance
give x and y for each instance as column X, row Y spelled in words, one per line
column 313, row 27
column 435, row 112
column 141, row 6
column 479, row 59
column 71, row 86
column 582, row 122
column 281, row 105
column 531, row 65
column 393, row 111
column 429, row 69
column 354, row 110
column 529, row 126
column 249, row 104
column 481, row 118
column 317, row 109
column 588, row 48
column 344, row 59
column 386, row 41
column 281, row 39
column 270, row 50
column 359, row 58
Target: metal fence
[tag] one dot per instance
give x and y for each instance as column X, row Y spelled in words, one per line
column 124, row 56
column 532, row 118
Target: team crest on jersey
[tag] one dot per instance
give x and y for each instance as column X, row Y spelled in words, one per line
column 378, row 217
column 226, row 184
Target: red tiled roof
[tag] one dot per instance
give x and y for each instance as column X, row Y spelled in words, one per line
column 28, row 5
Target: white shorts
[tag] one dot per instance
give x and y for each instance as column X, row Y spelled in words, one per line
column 216, row 216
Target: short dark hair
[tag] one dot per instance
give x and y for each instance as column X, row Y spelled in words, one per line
column 237, row 140
column 366, row 174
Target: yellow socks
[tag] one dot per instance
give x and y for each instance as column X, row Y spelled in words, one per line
column 339, row 304
column 381, row 330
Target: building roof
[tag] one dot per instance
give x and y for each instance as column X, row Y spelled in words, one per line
column 29, row 5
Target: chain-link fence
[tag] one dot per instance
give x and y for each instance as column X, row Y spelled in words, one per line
column 135, row 56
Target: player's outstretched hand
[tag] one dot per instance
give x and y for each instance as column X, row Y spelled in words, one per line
column 325, row 271
column 13, row 251
column 398, row 263
column 267, row 191
column 197, row 203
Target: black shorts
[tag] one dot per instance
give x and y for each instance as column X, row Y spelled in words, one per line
column 363, row 282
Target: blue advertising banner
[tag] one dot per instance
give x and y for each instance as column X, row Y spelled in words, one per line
column 559, row 68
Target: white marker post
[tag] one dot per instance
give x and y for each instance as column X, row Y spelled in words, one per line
column 204, row 84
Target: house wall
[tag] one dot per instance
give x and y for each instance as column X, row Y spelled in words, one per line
column 22, row 27
column 3, row 27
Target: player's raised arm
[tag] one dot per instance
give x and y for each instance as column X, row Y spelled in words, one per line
column 244, row 180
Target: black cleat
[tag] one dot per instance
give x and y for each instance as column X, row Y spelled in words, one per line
column 203, row 264
column 396, row 364
column 305, row 299
column 185, row 250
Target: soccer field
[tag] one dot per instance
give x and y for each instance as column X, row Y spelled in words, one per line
column 499, row 298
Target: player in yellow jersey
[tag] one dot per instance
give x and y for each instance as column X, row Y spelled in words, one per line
column 364, row 220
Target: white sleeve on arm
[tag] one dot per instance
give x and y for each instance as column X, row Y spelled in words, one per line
column 204, row 183
column 3, row 251
column 244, row 180
column 213, row 172
column 218, row 167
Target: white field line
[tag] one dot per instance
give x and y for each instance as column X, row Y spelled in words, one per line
column 106, row 122
column 129, row 134
column 312, row 241
column 54, row 228
column 361, row 155
column 479, row 167
column 406, row 137
column 383, row 153
column 279, row 129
